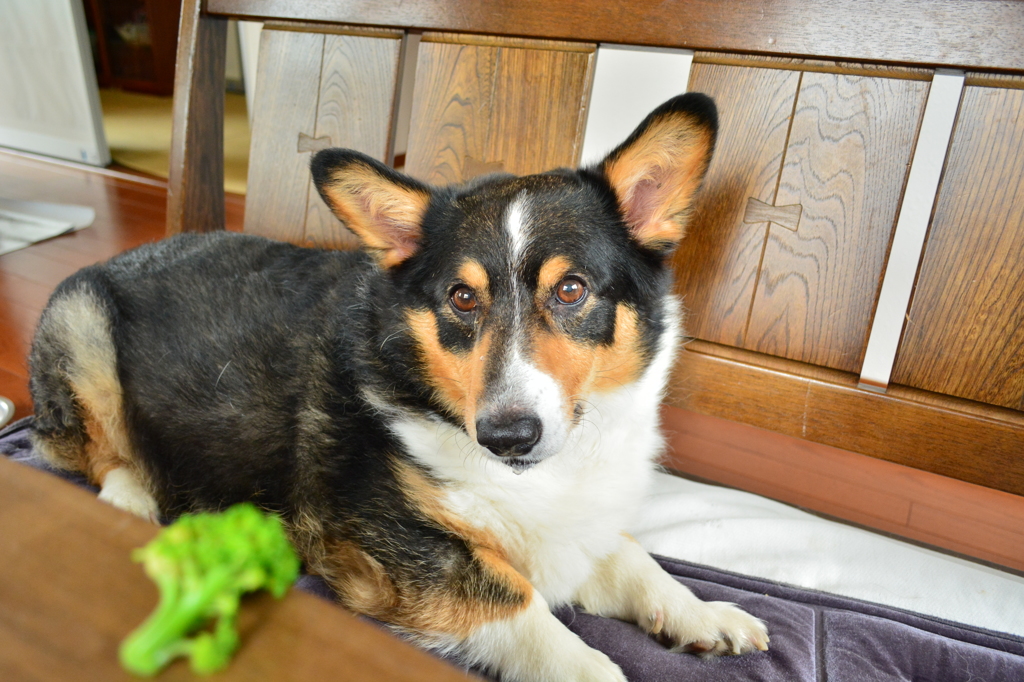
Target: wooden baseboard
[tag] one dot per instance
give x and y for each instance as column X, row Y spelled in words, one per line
column 981, row 444
column 943, row 512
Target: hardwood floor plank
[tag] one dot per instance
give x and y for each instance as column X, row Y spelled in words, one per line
column 75, row 258
column 14, row 345
column 85, row 245
column 15, row 388
column 17, row 289
column 36, row 266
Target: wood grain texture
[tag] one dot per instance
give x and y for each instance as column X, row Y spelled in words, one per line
column 760, row 212
column 814, row 65
column 507, row 41
column 477, row 106
column 357, row 98
column 960, row 33
column 851, row 141
column 340, row 29
column 946, row 441
column 995, row 80
column 717, row 263
column 71, row 593
column 937, row 510
column 195, row 195
column 285, row 104
column 965, row 331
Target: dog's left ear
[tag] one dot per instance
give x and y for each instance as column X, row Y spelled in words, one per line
column 382, row 207
column 658, row 169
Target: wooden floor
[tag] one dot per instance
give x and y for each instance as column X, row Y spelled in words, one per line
column 939, row 511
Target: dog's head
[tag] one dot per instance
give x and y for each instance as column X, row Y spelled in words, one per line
column 521, row 297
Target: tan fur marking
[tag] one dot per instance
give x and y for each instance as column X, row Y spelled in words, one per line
column 100, row 452
column 365, row 586
column 384, row 215
column 475, row 277
column 448, row 611
column 581, row 368
column 91, row 368
column 458, row 379
column 361, row 582
column 551, row 273
column 428, row 498
column 62, row 453
column 622, row 362
column 570, row 363
column 656, row 178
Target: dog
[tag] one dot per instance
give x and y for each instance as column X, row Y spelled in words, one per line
column 455, row 423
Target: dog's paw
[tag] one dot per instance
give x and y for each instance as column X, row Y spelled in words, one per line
column 123, row 490
column 590, row 666
column 710, row 629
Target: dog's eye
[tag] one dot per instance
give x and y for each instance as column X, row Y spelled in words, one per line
column 463, row 299
column 571, row 291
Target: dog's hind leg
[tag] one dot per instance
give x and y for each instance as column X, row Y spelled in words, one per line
column 80, row 423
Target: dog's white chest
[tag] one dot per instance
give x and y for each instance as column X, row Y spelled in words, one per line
column 559, row 517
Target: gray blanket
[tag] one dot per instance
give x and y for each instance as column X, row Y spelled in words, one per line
column 814, row 636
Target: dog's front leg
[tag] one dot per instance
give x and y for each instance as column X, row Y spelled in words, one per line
column 468, row 598
column 534, row 646
column 630, row 585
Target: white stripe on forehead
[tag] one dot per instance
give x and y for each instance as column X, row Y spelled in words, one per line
column 517, row 222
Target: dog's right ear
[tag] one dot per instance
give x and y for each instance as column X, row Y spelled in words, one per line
column 656, row 172
column 381, row 206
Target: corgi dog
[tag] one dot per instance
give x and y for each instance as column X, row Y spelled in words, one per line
column 456, row 423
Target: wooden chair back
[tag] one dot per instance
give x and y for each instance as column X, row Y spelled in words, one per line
column 823, row 104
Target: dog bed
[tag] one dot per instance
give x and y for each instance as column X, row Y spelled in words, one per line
column 966, row 624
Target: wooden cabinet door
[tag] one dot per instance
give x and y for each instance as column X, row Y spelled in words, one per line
column 484, row 105
column 964, row 334
column 794, row 223
column 781, row 270
column 317, row 87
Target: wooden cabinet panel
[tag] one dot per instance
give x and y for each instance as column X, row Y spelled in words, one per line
column 358, row 82
column 284, row 105
column 795, row 218
column 484, row 105
column 903, row 427
column 315, row 90
column 717, row 263
column 965, row 332
column 846, row 163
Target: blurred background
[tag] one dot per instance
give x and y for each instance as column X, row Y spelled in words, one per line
column 91, row 81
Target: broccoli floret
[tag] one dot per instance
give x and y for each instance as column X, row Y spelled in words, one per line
column 203, row 564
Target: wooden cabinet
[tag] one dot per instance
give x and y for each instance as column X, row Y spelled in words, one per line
column 135, row 43
column 782, row 269
column 798, row 209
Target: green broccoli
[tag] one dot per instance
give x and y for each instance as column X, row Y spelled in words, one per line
column 202, row 564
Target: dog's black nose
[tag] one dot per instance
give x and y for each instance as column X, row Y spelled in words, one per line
column 510, row 434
